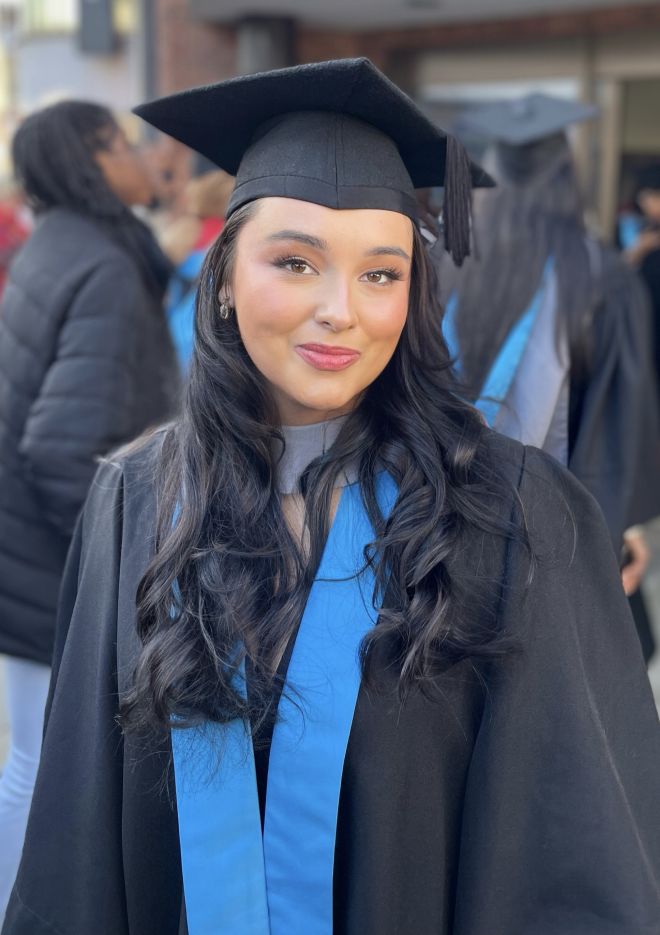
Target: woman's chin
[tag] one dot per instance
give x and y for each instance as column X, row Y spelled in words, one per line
column 317, row 407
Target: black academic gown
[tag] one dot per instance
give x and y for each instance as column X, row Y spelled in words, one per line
column 614, row 431
column 524, row 799
column 650, row 274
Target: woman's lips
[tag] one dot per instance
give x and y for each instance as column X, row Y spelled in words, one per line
column 327, row 357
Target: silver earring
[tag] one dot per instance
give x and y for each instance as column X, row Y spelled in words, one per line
column 225, row 310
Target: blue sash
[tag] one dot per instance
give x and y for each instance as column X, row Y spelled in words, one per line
column 501, row 374
column 236, row 881
column 630, row 227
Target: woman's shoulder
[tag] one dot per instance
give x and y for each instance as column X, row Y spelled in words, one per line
column 129, row 474
column 548, row 500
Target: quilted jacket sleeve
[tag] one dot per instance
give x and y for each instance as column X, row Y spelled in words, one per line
column 86, row 404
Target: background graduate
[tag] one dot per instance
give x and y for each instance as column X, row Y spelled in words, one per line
column 551, row 330
column 380, row 677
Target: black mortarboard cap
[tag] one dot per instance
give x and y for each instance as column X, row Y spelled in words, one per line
column 338, row 133
column 524, row 120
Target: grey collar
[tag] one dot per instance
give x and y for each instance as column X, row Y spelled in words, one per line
column 302, row 444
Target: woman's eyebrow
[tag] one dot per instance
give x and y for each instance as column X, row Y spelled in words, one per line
column 301, row 237
column 388, row 251
column 318, row 244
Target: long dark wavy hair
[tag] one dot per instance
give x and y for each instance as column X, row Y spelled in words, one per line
column 53, row 155
column 536, row 211
column 229, row 582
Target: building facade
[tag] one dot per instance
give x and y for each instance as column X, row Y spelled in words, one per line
column 608, row 54
column 446, row 55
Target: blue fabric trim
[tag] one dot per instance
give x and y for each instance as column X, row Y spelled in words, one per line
column 220, row 830
column 191, row 267
column 506, row 364
column 630, row 227
column 222, row 849
column 499, row 380
column 180, row 306
column 449, row 331
column 311, row 737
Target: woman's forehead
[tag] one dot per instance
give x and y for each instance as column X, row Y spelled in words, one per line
column 279, row 215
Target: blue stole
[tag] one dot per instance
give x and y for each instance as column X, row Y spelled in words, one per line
column 630, row 227
column 501, row 374
column 236, row 880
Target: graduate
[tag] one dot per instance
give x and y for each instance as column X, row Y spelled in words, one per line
column 551, row 331
column 333, row 656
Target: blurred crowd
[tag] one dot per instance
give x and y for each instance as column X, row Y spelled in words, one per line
column 556, row 339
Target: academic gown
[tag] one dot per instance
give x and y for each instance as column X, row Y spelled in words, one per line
column 614, row 431
column 521, row 798
column 613, row 421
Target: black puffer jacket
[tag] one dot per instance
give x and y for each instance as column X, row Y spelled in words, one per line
column 86, row 364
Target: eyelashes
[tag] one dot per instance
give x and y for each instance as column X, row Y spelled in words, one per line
column 391, row 273
column 285, row 262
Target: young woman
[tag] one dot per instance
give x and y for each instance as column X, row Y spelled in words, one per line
column 86, row 364
column 339, row 658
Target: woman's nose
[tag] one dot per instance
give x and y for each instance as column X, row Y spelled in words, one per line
column 337, row 310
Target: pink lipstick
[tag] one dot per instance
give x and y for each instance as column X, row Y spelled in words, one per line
column 327, row 357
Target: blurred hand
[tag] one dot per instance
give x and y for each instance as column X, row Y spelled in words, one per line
column 646, row 243
column 633, row 572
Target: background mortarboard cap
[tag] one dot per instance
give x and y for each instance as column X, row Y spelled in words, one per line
column 523, row 121
column 336, row 133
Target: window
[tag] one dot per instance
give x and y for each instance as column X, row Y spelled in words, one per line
column 63, row 16
column 49, row 16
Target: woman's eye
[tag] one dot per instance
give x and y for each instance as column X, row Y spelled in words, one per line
column 295, row 264
column 381, row 277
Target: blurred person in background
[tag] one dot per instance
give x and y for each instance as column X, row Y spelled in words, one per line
column 639, row 235
column 86, row 363
column 186, row 241
column 15, row 227
column 551, row 329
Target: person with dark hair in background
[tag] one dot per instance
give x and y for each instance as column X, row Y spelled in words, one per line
column 86, row 363
column 351, row 663
column 549, row 327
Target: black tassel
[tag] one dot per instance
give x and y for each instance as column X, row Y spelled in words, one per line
column 457, row 211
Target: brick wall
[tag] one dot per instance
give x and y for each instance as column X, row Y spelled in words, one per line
column 385, row 46
column 626, row 18
column 189, row 52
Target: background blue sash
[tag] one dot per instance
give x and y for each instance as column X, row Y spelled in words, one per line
column 501, row 374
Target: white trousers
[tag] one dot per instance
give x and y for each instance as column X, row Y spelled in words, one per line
column 26, row 693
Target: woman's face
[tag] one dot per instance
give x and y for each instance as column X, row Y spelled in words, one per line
column 321, row 298
column 125, row 171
